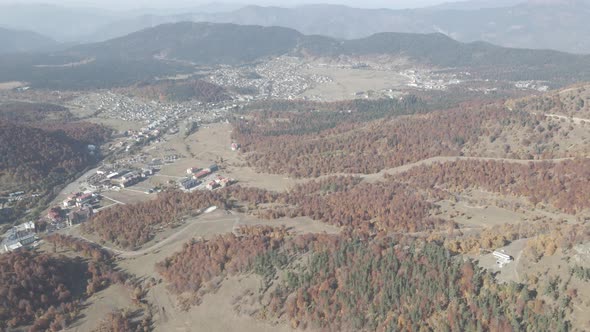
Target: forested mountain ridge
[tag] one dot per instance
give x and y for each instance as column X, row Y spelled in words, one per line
column 201, row 43
column 31, row 155
column 530, row 24
column 42, row 154
column 170, row 49
column 16, row 41
column 212, row 43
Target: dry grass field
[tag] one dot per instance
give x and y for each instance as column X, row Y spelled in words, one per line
column 347, row 82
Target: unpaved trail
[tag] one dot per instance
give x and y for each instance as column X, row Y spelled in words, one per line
column 573, row 119
column 134, row 253
column 440, row 159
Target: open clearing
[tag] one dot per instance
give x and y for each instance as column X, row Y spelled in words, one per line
column 209, row 145
column 116, row 297
column 11, row 85
column 216, row 312
column 347, row 82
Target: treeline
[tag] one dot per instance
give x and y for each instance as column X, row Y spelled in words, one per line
column 402, row 203
column 130, row 226
column 201, row 261
column 96, row 74
column 100, row 262
column 33, row 112
column 84, row 132
column 364, row 284
column 562, row 237
column 123, row 321
column 378, row 285
column 405, row 105
column 82, row 247
column 53, row 118
column 573, row 101
column 285, row 117
column 300, row 145
column 564, row 185
column 347, row 202
column 38, row 158
column 179, row 90
column 497, row 236
column 44, row 290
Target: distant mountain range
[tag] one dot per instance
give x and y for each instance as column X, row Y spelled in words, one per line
column 539, row 24
column 198, row 43
column 560, row 25
column 227, row 43
column 174, row 48
column 15, row 41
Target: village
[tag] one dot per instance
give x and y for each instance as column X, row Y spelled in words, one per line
column 79, row 206
column 144, row 144
column 280, row 78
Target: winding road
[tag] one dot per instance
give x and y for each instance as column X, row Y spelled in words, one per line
column 236, row 218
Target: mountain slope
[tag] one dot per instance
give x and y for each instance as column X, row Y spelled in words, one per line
column 201, row 43
column 559, row 25
column 15, row 41
column 209, row 43
column 61, row 23
column 169, row 49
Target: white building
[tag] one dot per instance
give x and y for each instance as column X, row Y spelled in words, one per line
column 502, row 258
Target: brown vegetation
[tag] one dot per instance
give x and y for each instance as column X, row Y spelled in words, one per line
column 363, row 284
column 179, row 90
column 130, row 226
column 309, row 144
column 123, row 321
column 200, row 261
column 39, row 158
column 565, row 184
column 44, row 290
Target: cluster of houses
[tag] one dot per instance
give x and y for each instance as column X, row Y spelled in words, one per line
column 196, row 176
column 74, row 209
column 78, row 200
column 21, row 236
column 281, row 78
column 218, row 182
column 19, row 196
column 106, row 178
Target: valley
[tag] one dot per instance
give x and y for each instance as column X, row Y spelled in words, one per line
column 393, row 182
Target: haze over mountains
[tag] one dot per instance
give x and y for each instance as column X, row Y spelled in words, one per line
column 23, row 41
column 170, row 49
column 559, row 25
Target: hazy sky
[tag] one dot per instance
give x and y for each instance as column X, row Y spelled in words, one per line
column 134, row 4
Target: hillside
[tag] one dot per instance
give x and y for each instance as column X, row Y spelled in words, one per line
column 200, row 43
column 170, row 49
column 533, row 24
column 441, row 51
column 41, row 158
column 559, row 25
column 15, row 41
column 208, row 43
column 62, row 23
column 571, row 102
